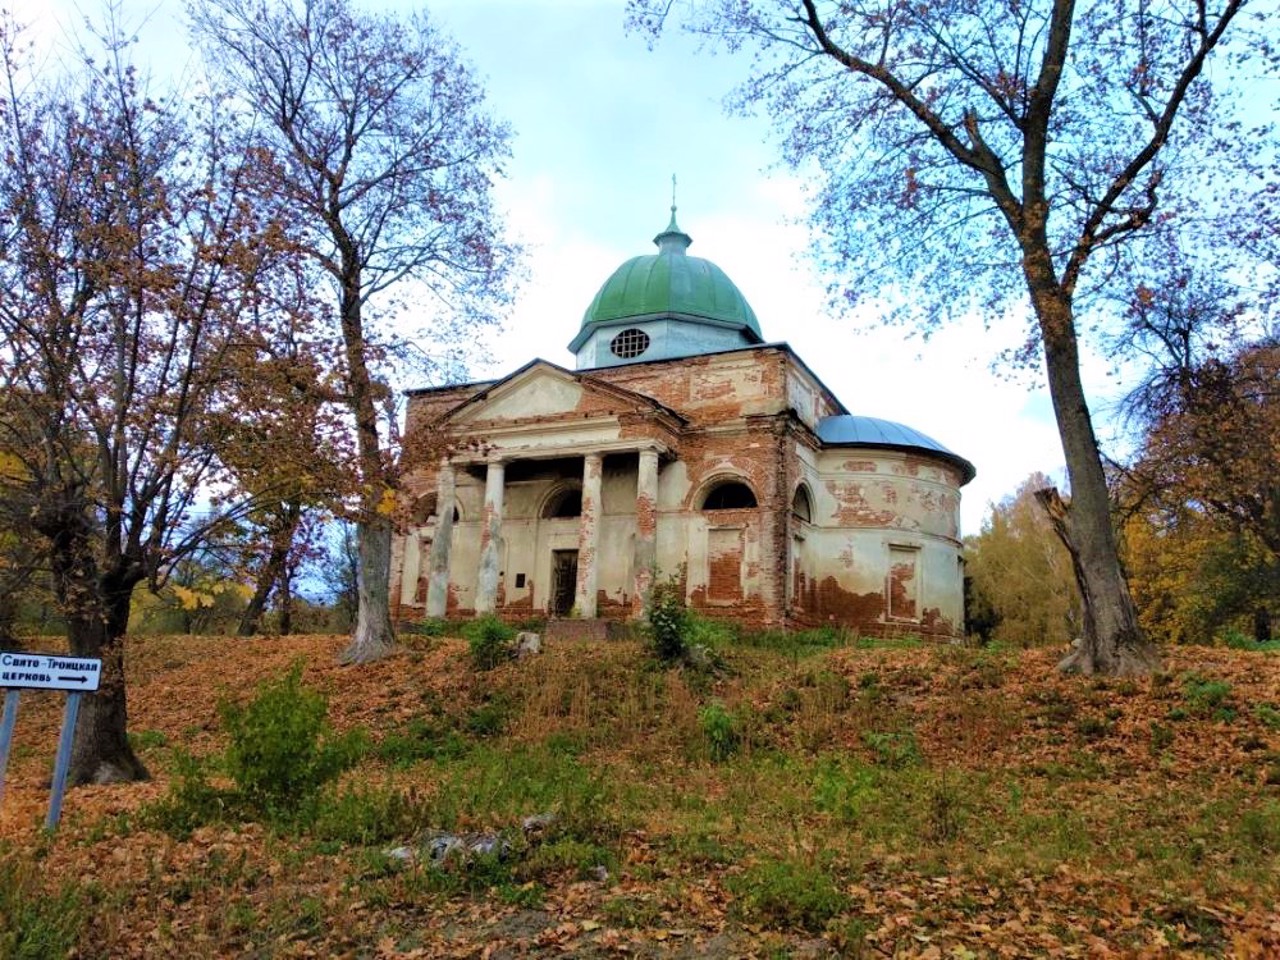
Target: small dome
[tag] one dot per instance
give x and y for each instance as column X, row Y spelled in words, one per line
column 849, row 431
column 670, row 284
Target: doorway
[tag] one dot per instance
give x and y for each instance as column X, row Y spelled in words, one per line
column 564, row 581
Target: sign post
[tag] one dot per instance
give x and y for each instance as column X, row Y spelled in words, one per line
column 46, row 671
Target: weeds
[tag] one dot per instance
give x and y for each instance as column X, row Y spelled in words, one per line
column 786, row 894
column 722, row 730
column 1207, row 698
column 36, row 923
column 668, row 622
column 490, row 641
column 895, row 750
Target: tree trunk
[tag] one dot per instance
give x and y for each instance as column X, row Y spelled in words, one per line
column 1113, row 642
column 285, row 600
column 9, row 620
column 272, row 571
column 97, row 606
column 258, row 602
column 100, row 752
column 374, row 636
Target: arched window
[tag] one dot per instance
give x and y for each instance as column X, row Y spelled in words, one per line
column 801, row 505
column 563, row 504
column 729, row 495
column 424, row 510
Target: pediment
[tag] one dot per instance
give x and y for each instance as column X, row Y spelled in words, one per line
column 542, row 391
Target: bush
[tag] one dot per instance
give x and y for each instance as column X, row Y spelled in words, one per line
column 1208, row 697
column 282, row 750
column 668, row 622
column 721, row 729
column 788, row 895
column 192, row 800
column 490, row 640
column 896, row 750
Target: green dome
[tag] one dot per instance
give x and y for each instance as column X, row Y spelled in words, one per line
column 670, row 283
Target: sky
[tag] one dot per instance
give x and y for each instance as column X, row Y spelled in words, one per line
column 601, row 123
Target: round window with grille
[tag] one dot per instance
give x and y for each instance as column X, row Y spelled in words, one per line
column 630, row 343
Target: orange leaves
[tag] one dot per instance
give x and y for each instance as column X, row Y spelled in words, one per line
column 1066, row 791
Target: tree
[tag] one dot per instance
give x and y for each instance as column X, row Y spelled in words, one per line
column 20, row 557
column 129, row 258
column 285, row 448
column 382, row 153
column 1203, row 496
column 1022, row 572
column 1023, row 149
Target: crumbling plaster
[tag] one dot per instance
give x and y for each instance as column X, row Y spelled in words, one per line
column 747, row 415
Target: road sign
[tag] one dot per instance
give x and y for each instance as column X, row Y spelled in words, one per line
column 45, row 671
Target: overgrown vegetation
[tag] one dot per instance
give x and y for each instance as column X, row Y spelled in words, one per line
column 280, row 754
column 804, row 791
column 490, row 641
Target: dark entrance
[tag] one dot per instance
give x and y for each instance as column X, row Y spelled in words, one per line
column 564, row 581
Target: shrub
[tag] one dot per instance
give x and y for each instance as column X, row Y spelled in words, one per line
column 281, row 749
column 722, row 730
column 490, row 640
column 1207, row 697
column 787, row 894
column 668, row 622
column 191, row 801
column 894, row 750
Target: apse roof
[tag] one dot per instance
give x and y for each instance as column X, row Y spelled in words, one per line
column 845, row 430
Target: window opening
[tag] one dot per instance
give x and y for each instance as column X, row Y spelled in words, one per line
column 801, row 507
column 630, row 343
column 424, row 511
column 565, row 504
column 730, row 496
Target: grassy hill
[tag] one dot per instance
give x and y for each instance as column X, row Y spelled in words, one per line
column 803, row 800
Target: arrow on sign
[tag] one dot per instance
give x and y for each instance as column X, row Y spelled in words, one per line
column 73, row 679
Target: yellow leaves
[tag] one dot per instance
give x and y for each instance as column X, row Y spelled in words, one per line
column 11, row 468
column 192, row 599
column 387, row 504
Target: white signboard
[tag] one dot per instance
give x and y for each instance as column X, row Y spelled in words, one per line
column 44, row 671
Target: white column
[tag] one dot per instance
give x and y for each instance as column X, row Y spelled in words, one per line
column 646, row 546
column 490, row 539
column 588, row 536
column 438, row 567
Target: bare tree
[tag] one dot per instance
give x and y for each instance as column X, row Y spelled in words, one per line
column 987, row 151
column 383, row 155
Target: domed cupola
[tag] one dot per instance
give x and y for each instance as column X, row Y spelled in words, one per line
column 664, row 305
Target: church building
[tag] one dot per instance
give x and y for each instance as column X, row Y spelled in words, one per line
column 681, row 446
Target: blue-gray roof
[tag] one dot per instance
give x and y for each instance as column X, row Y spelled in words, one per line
column 845, row 430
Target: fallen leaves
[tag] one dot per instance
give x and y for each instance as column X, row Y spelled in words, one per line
column 1031, row 740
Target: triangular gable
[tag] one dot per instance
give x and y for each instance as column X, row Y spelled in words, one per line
column 542, row 390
